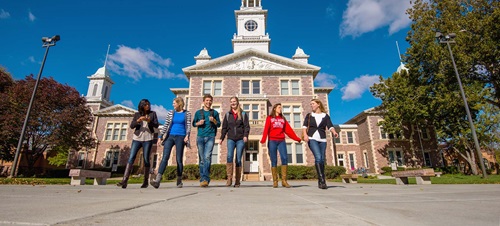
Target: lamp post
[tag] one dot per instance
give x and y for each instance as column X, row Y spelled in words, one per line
column 449, row 39
column 47, row 43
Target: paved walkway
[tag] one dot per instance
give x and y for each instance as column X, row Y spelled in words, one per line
column 255, row 203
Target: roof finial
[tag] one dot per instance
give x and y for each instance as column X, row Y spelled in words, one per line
column 106, row 60
column 399, row 53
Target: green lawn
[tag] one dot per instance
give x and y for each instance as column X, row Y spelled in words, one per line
column 44, row 181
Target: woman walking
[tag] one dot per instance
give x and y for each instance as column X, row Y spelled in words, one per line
column 143, row 124
column 276, row 127
column 235, row 125
column 314, row 130
column 175, row 133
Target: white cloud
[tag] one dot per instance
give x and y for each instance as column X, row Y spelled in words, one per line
column 362, row 16
column 32, row 59
column 128, row 103
column 325, row 80
column 358, row 86
column 136, row 62
column 161, row 112
column 31, row 16
column 4, row 14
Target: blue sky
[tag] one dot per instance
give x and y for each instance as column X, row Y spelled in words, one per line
column 353, row 41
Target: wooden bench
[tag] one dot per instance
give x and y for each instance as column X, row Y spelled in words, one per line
column 78, row 176
column 349, row 178
column 423, row 176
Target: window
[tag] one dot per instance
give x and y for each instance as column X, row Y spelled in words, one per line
column 116, row 131
column 292, row 115
column 396, row 156
column 250, row 87
column 252, row 110
column 367, row 164
column 395, row 136
column 337, row 139
column 81, row 158
column 425, row 134
column 351, row 161
column 295, row 154
column 218, row 109
column 340, row 159
column 427, row 159
column 383, row 134
column 215, row 154
column 350, row 137
column 94, row 92
column 111, row 158
column 290, row 87
column 212, row 87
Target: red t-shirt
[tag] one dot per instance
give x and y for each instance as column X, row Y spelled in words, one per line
column 276, row 128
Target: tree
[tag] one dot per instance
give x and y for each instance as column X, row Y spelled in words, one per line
column 429, row 93
column 7, row 137
column 59, row 118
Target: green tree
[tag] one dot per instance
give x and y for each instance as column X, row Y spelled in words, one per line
column 59, row 118
column 428, row 95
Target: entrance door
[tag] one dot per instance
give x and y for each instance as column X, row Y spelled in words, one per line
column 251, row 164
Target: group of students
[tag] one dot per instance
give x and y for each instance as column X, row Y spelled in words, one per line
column 235, row 127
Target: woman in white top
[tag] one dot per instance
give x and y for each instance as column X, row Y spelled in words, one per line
column 314, row 130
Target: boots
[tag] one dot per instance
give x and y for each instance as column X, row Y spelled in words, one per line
column 179, row 181
column 274, row 171
column 156, row 183
column 320, row 170
column 238, row 177
column 146, row 177
column 284, row 183
column 126, row 174
column 229, row 171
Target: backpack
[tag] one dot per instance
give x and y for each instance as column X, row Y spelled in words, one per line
column 243, row 114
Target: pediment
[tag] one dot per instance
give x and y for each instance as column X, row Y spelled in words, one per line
column 116, row 110
column 251, row 60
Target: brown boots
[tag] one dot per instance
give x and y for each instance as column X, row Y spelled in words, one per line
column 283, row 176
column 274, row 171
column 126, row 174
column 229, row 171
column 146, row 177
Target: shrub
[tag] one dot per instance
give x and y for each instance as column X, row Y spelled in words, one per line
column 449, row 170
column 309, row 172
column 192, row 172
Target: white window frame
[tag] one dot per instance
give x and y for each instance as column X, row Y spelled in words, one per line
column 290, row 88
column 116, row 129
column 249, row 108
column 352, row 161
column 290, row 111
column 395, row 151
column 339, row 159
column 251, row 86
column 81, row 157
column 212, row 87
column 353, row 137
column 112, row 160
column 291, row 151
column 215, row 153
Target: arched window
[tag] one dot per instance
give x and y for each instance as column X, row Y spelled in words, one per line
column 95, row 90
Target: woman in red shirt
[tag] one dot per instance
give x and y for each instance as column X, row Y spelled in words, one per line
column 276, row 127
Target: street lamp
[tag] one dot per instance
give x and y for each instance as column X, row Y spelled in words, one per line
column 449, row 39
column 47, row 43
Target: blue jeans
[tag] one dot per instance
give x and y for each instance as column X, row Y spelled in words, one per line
column 275, row 146
column 239, row 145
column 146, row 151
column 318, row 149
column 178, row 141
column 205, row 148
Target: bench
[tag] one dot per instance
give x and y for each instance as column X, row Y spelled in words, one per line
column 423, row 176
column 349, row 178
column 78, row 176
column 438, row 174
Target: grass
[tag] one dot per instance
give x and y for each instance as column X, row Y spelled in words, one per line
column 444, row 179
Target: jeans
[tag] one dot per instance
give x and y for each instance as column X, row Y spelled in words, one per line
column 178, row 141
column 275, row 146
column 146, row 151
column 318, row 149
column 205, row 147
column 239, row 145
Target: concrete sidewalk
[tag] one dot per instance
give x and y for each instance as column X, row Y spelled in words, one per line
column 255, row 203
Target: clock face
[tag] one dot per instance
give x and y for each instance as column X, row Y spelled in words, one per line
column 251, row 25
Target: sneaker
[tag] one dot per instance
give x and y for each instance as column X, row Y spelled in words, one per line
column 179, row 185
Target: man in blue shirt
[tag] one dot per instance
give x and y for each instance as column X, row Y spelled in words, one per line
column 207, row 120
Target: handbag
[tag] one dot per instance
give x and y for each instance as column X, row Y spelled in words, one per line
column 307, row 130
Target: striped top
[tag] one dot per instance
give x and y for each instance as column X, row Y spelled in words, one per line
column 168, row 123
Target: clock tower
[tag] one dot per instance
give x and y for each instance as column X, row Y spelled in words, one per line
column 251, row 27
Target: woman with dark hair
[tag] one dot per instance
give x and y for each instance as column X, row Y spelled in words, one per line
column 143, row 123
column 175, row 133
column 235, row 125
column 276, row 127
column 314, row 130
